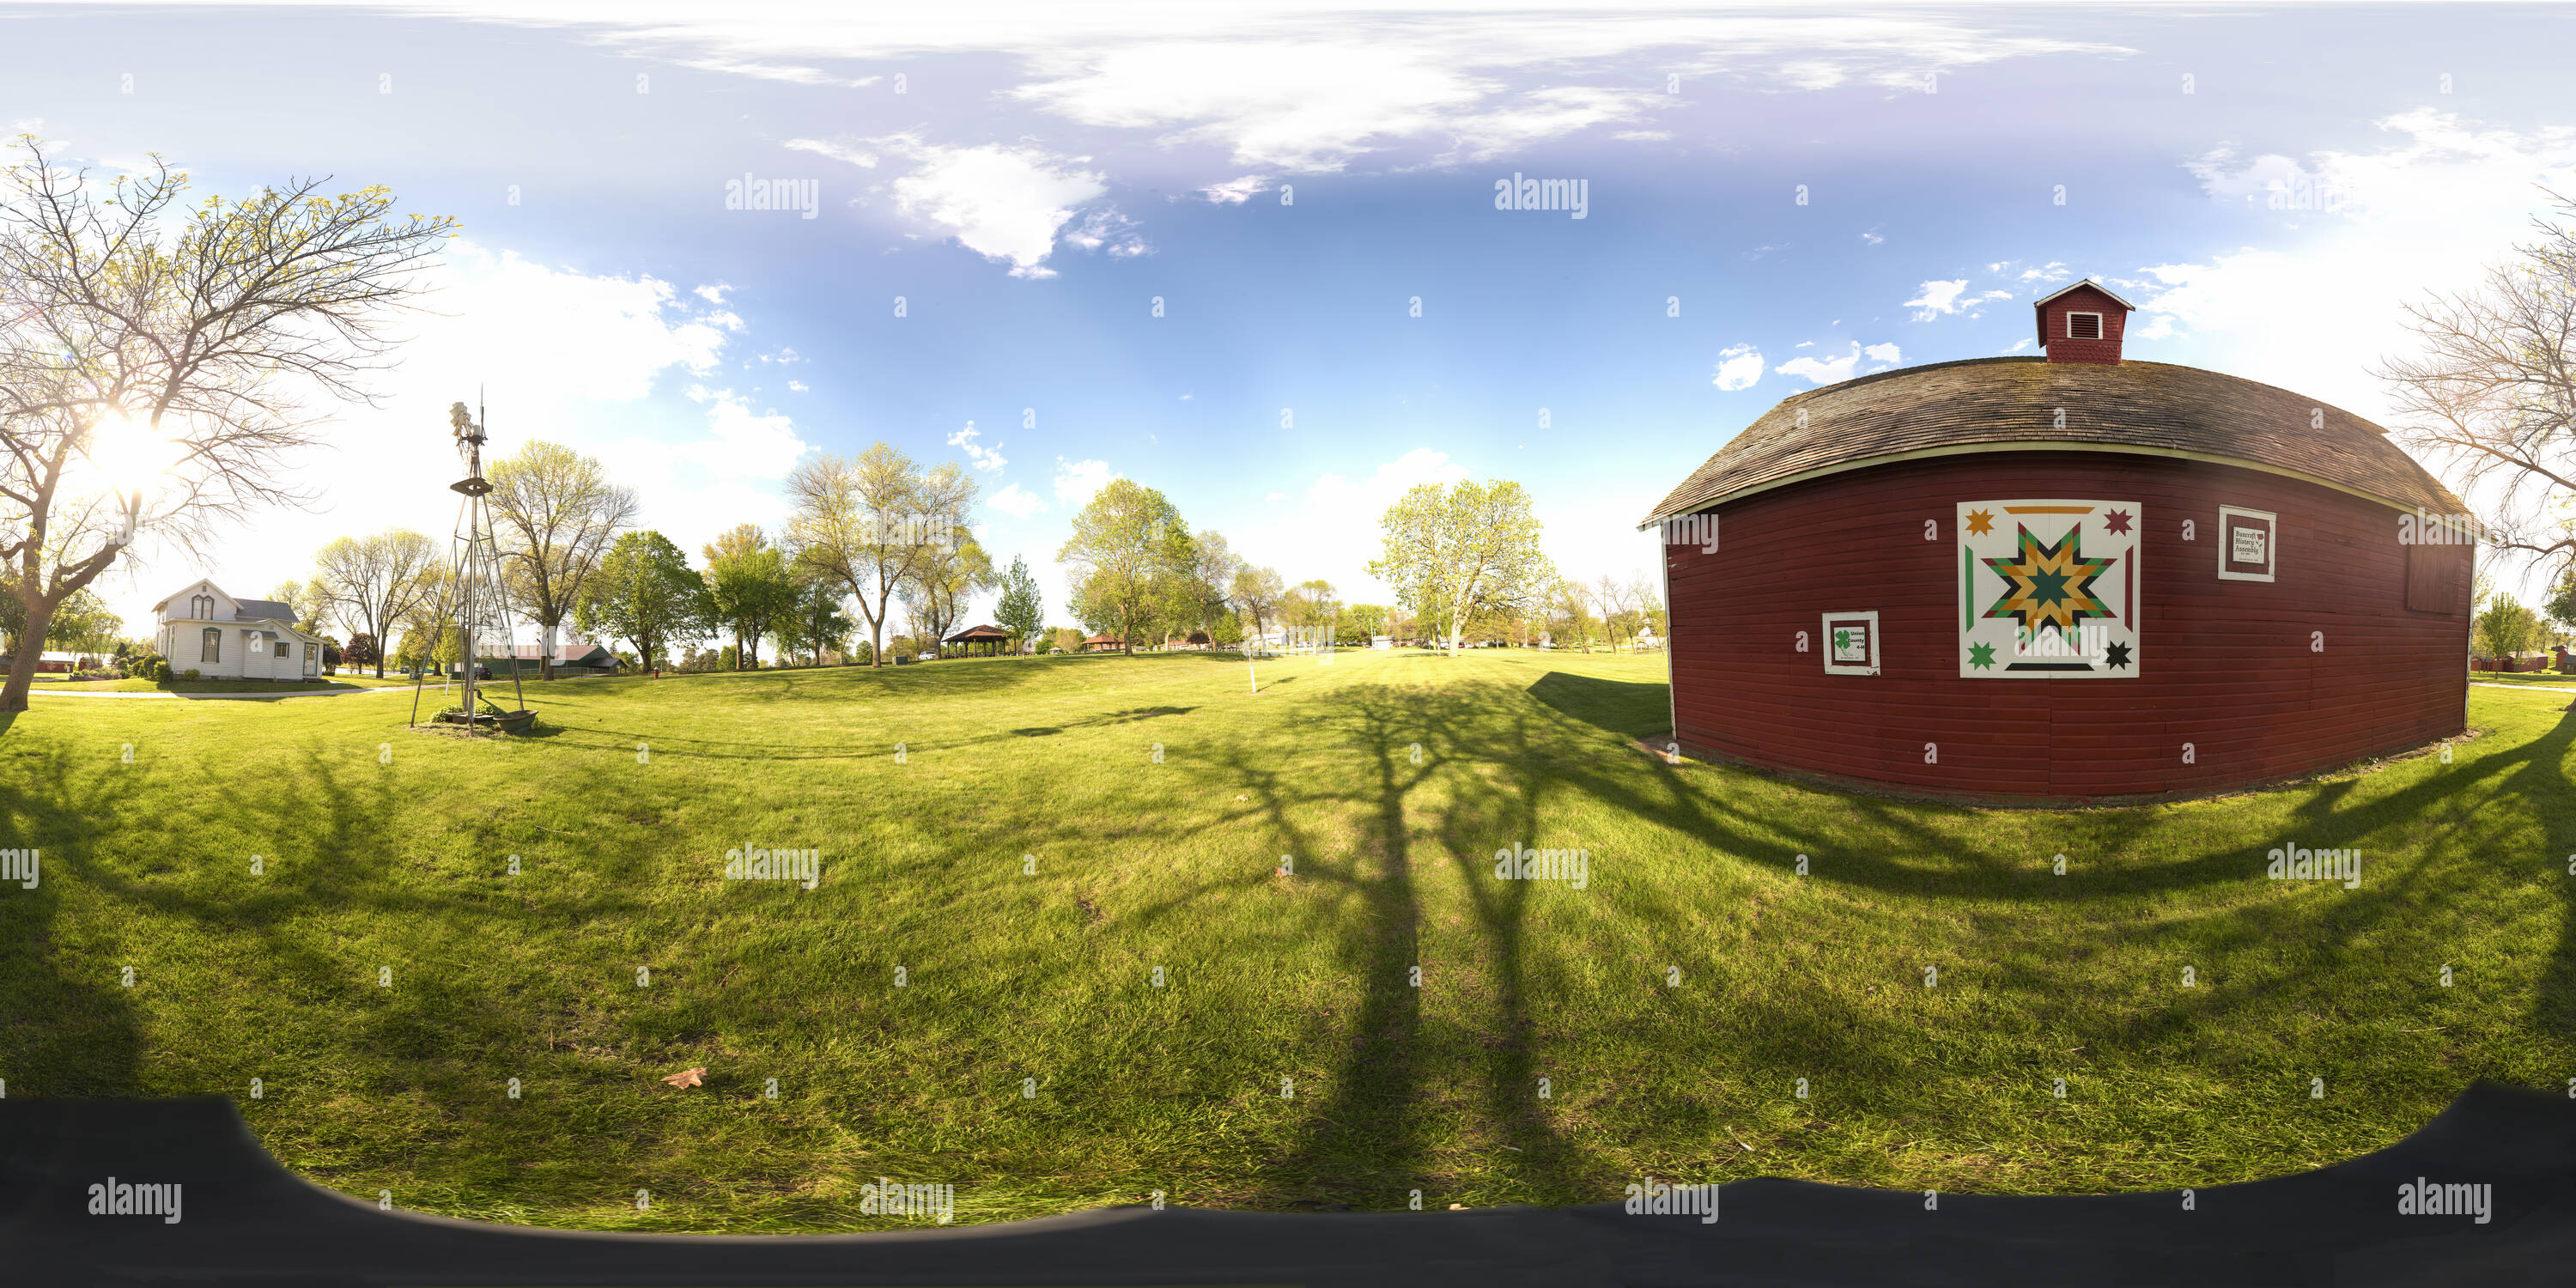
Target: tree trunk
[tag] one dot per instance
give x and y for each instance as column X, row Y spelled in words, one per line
column 22, row 670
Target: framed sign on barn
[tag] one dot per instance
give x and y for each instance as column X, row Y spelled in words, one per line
column 2246, row 543
column 2049, row 589
column 1851, row 643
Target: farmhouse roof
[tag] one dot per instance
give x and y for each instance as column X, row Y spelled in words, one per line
column 263, row 610
column 979, row 634
column 2012, row 404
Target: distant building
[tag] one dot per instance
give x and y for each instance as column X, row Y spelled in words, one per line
column 202, row 629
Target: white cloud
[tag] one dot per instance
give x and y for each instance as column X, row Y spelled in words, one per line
column 1002, row 202
column 1107, row 229
column 1738, row 367
column 713, row 294
column 1826, row 371
column 1871, row 239
column 568, row 357
column 1331, row 531
column 1076, row 482
column 2426, row 211
column 1235, row 192
column 744, row 445
column 860, row 157
column 985, row 458
column 1017, row 502
column 2020, row 344
column 798, row 385
column 1812, row 74
column 1936, row 299
column 1286, row 86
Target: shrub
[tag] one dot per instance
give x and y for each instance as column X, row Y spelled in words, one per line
column 189, row 674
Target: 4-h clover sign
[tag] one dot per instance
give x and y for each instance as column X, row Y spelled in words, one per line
column 1851, row 643
column 2049, row 589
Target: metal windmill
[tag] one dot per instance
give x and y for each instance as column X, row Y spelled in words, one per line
column 472, row 600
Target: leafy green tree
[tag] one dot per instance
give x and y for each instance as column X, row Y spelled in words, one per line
column 2561, row 606
column 816, row 622
column 1454, row 553
column 751, row 587
column 554, row 514
column 2507, row 627
column 1131, row 562
column 872, row 521
column 645, row 594
column 1368, row 619
column 1021, row 611
column 941, row 582
column 1258, row 595
column 305, row 600
column 373, row 584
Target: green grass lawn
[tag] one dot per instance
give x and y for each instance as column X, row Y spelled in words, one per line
column 1027, row 1055
column 2525, row 677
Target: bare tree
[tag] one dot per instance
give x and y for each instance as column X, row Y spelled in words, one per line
column 872, row 521
column 555, row 514
column 2494, row 395
column 374, row 584
column 151, row 377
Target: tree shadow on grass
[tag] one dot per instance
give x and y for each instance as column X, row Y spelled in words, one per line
column 66, row 1028
column 1505, row 769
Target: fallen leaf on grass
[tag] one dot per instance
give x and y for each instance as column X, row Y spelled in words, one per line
column 688, row 1078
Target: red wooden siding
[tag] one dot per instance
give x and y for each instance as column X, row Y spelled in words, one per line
column 2084, row 299
column 2224, row 665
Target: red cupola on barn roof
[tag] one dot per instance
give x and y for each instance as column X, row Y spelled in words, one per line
column 2082, row 323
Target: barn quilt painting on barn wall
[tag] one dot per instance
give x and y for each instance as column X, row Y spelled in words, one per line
column 2049, row 589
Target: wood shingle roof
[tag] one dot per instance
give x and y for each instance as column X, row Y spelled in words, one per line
column 2002, row 403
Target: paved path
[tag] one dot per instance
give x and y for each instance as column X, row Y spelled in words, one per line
column 2569, row 689
column 220, row 697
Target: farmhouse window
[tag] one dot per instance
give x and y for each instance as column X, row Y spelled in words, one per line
column 2083, row 326
column 202, row 607
column 210, row 646
column 281, row 649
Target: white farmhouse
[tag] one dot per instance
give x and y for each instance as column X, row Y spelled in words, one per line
column 207, row 631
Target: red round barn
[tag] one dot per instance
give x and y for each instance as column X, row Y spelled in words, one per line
column 2063, row 578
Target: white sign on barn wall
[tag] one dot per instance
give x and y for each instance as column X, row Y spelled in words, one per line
column 2049, row 589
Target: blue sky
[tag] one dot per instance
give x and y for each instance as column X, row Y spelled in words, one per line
column 1045, row 173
